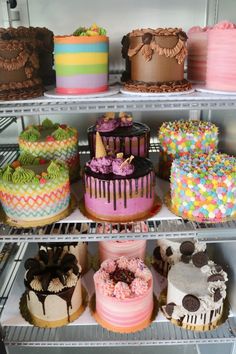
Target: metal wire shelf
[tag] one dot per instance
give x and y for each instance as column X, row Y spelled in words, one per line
column 5, row 122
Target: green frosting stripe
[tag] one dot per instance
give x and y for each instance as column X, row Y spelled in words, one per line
column 67, row 70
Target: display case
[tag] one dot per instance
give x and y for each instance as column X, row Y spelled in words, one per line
column 220, row 237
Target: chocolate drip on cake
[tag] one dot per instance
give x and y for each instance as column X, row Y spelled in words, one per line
column 67, row 296
column 114, row 195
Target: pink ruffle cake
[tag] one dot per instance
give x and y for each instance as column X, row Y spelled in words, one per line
column 197, row 53
column 221, row 58
column 124, row 295
column 117, row 248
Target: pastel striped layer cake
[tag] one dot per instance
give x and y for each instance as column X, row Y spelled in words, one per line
column 124, row 295
column 81, row 64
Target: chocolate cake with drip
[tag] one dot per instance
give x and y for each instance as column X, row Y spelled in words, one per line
column 155, row 60
column 118, row 189
column 121, row 134
column 53, row 288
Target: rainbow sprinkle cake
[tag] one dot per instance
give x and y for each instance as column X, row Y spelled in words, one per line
column 52, row 141
column 180, row 138
column 32, row 189
column 203, row 187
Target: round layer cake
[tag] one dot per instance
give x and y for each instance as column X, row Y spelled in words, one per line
column 78, row 249
column 221, row 57
column 203, row 187
column 52, row 141
column 120, row 134
column 124, row 295
column 156, row 60
column 168, row 252
column 33, row 192
column 197, row 53
column 120, row 191
column 196, row 293
column 81, row 61
column 180, row 138
column 53, row 288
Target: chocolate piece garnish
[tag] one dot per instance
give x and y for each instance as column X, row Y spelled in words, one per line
column 68, row 258
column 217, row 295
column 31, row 274
column 191, row 303
column 200, row 259
column 45, row 280
column 123, row 275
column 170, row 308
column 43, row 255
column 215, row 277
column 187, row 248
column 157, row 253
column 183, row 36
column 146, row 38
column 32, row 263
column 185, row 259
column 57, row 253
column 169, row 251
column 218, row 268
column 61, row 276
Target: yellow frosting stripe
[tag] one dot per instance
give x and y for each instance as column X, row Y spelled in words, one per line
column 81, row 58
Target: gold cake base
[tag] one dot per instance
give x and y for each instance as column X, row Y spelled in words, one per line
column 109, row 327
column 37, row 223
column 170, row 206
column 141, row 217
column 38, row 322
column 193, row 327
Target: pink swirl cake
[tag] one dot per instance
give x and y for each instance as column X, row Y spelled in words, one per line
column 197, row 53
column 221, row 58
column 120, row 134
column 118, row 189
column 118, row 248
column 124, row 295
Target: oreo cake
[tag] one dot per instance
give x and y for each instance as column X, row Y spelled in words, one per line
column 120, row 134
column 155, row 60
column 118, row 189
column 168, row 253
column 53, row 288
column 195, row 293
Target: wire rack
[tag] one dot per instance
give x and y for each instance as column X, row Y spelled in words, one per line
column 5, row 122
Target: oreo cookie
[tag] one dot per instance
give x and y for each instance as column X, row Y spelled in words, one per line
column 191, row 303
column 200, row 259
column 187, row 248
column 169, row 308
column 215, row 277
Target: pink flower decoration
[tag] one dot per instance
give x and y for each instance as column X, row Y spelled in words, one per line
column 144, row 274
column 108, row 266
column 133, row 264
column 122, row 290
column 123, row 262
column 42, row 180
column 225, row 25
column 108, row 288
column 101, row 276
column 139, row 286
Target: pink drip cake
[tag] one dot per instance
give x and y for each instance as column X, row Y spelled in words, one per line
column 120, row 134
column 117, row 248
column 197, row 53
column 221, row 58
column 124, row 295
column 118, row 189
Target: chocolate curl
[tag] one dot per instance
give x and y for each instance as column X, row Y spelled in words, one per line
column 128, row 160
column 100, row 149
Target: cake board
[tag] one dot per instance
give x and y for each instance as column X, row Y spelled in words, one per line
column 155, row 94
column 53, row 94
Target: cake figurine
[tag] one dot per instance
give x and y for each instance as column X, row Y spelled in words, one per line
column 120, row 134
column 195, row 293
column 124, row 295
column 52, row 141
column 169, row 252
column 156, row 60
column 19, row 69
column 78, row 249
column 81, row 61
column 203, row 187
column 118, row 189
column 180, row 138
column 34, row 192
column 53, row 288
column 221, row 59
column 197, row 53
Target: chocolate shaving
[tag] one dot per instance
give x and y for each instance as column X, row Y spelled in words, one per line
column 157, row 253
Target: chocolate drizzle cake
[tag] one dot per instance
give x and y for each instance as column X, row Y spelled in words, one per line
column 53, row 288
column 155, row 60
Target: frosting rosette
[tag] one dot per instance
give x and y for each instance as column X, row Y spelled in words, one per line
column 107, row 123
column 101, row 165
column 225, row 25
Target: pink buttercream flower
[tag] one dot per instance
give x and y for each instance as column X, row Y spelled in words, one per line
column 122, row 262
column 139, row 286
column 133, row 265
column 101, row 276
column 108, row 266
column 225, row 25
column 196, row 29
column 122, row 290
column 108, row 287
column 144, row 274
